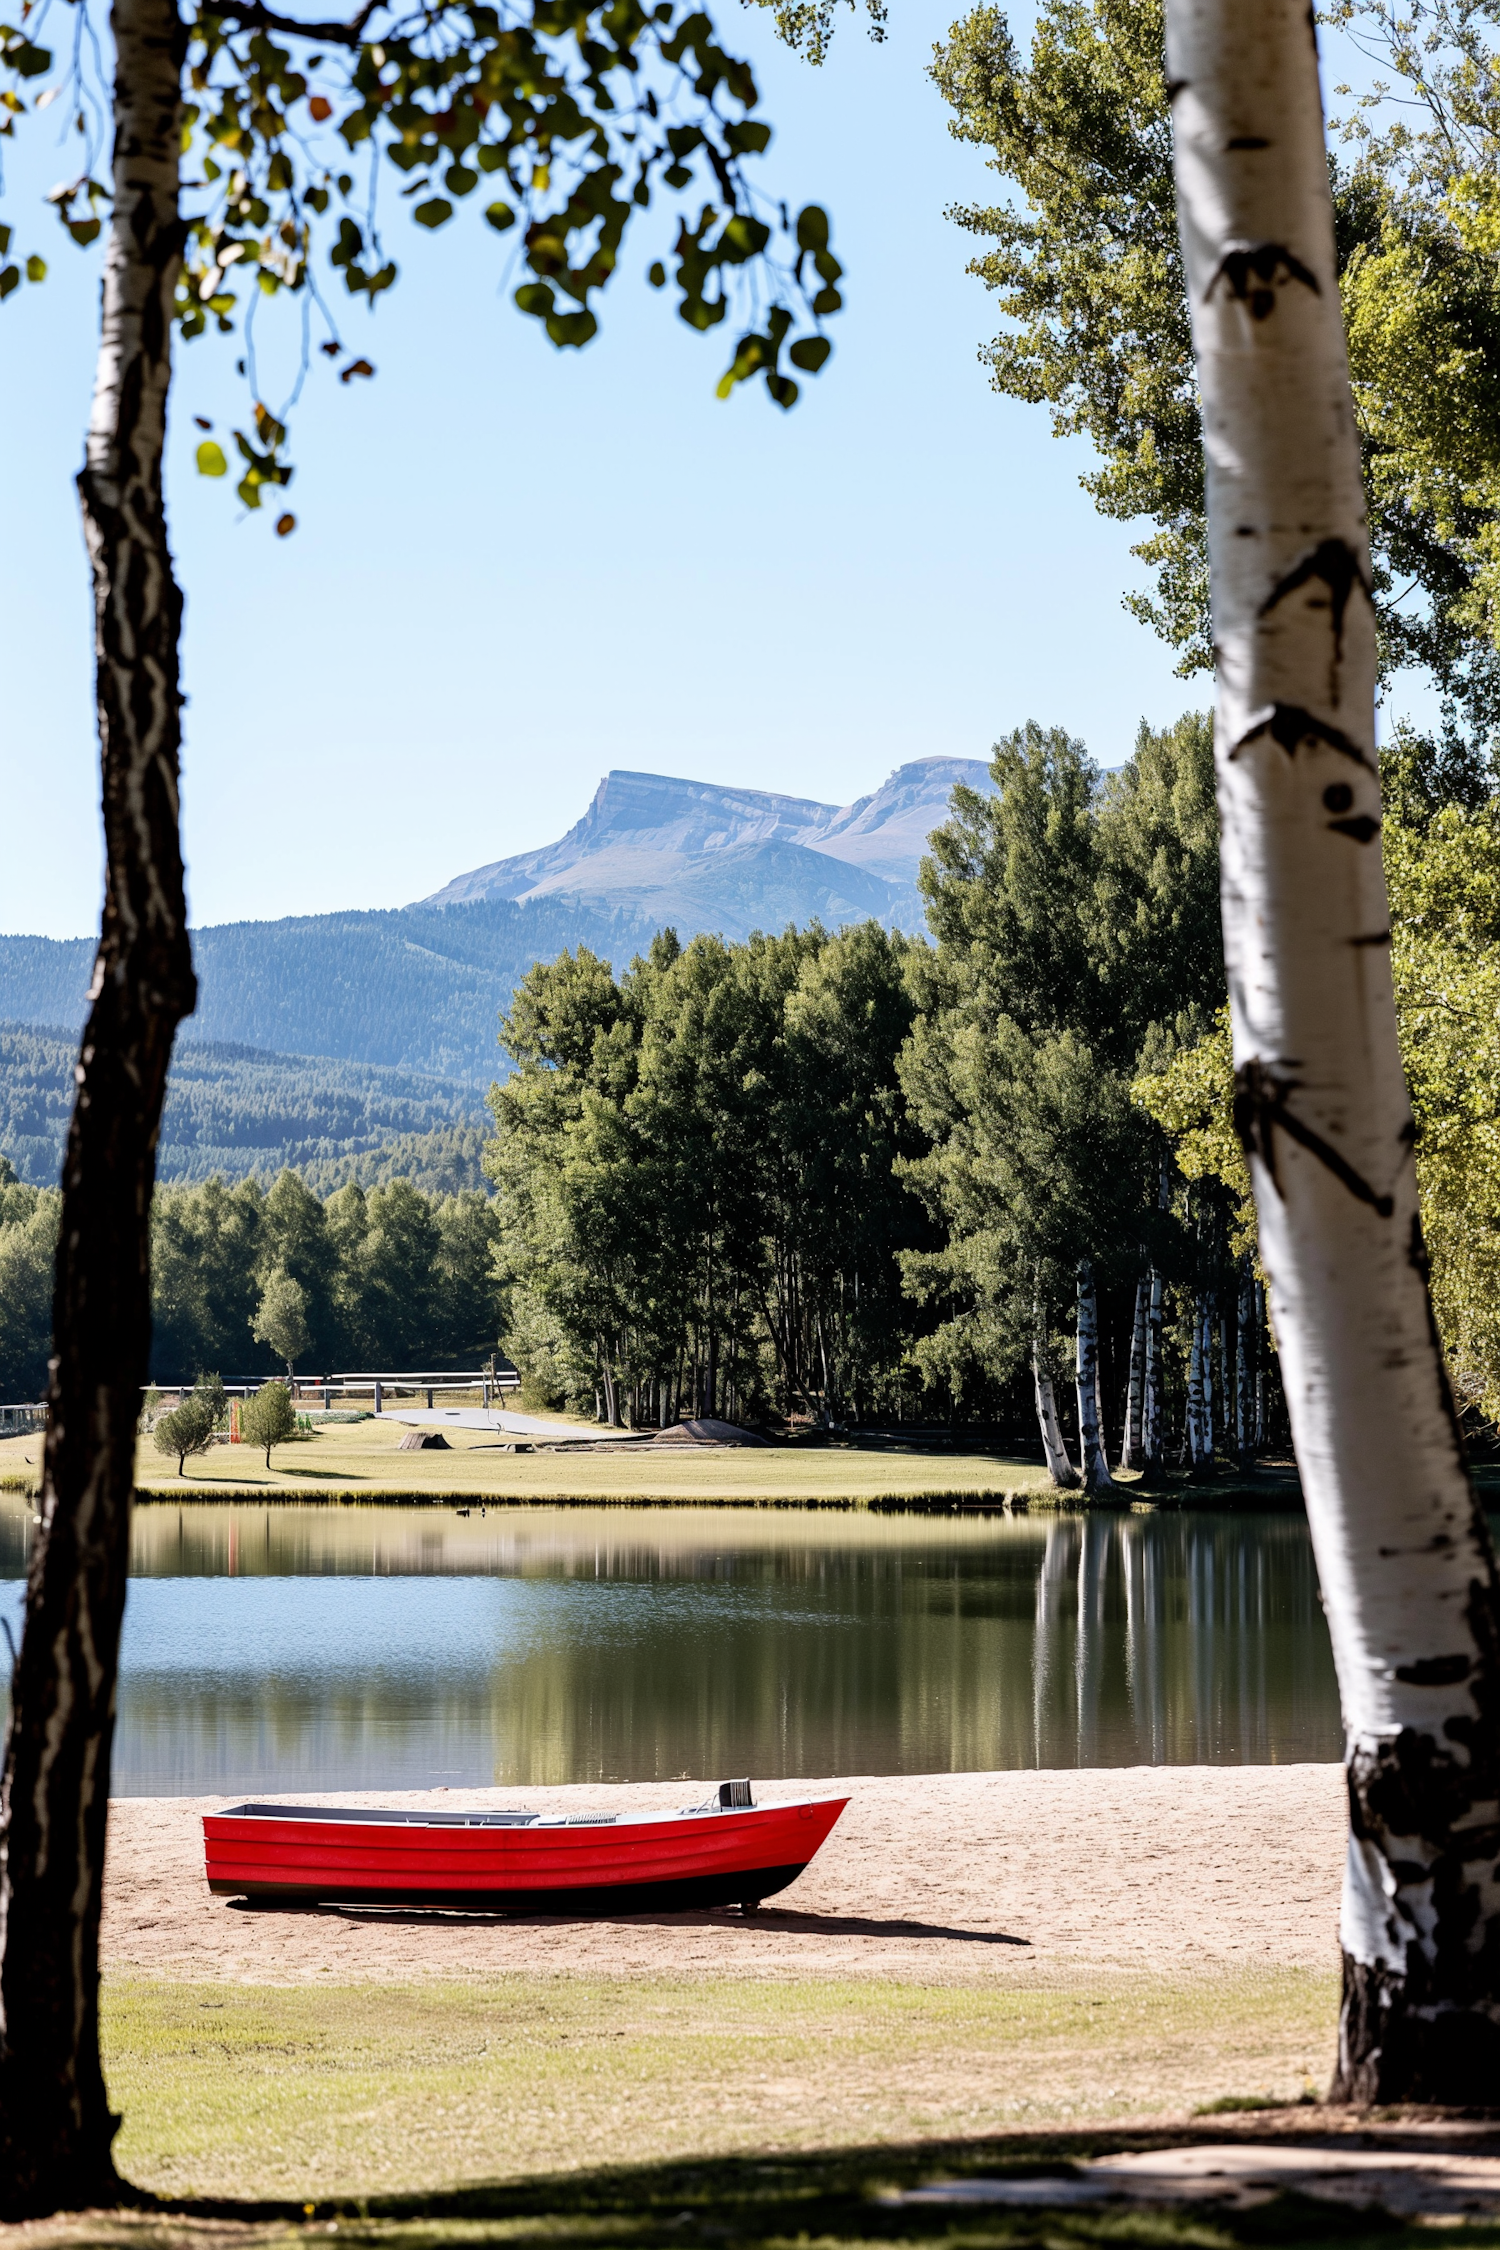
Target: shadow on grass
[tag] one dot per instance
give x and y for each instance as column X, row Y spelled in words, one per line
column 833, row 2197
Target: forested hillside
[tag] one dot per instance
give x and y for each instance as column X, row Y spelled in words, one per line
column 235, row 1110
column 416, row 989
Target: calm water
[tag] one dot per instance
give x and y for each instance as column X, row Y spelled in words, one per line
column 274, row 1648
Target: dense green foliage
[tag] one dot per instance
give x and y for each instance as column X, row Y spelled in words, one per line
column 236, row 1111
column 1443, row 872
column 1076, row 925
column 389, row 1279
column 696, row 1162
column 1084, row 259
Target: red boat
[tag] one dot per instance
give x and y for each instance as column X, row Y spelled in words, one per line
column 728, row 1852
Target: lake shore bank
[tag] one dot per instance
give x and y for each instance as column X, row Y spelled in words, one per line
column 970, row 1953
column 938, row 1878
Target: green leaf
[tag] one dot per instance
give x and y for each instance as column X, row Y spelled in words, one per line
column 747, row 138
column 36, row 269
column 4, row 240
column 536, row 298
column 28, row 61
column 211, row 461
column 500, row 216
column 677, row 175
column 489, row 158
column 826, row 301
column 459, row 180
column 434, row 212
column 248, row 489
column 573, row 329
column 656, row 274
column 83, row 231
column 782, row 389
column 812, row 228
column 10, row 278
column 809, row 353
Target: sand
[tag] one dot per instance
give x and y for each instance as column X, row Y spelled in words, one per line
column 934, row 1878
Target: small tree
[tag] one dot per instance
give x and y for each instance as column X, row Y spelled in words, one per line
column 187, row 1429
column 269, row 1418
column 281, row 1319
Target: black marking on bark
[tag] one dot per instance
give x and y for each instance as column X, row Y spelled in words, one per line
column 1362, row 827
column 1338, row 797
column 1176, row 86
column 1289, row 724
column 1260, row 1105
column 1435, row 1671
column 1247, row 140
column 1377, row 937
column 1339, row 567
column 1252, row 270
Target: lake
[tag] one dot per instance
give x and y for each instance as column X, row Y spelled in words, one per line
column 312, row 1647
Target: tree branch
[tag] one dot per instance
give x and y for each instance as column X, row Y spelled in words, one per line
column 253, row 17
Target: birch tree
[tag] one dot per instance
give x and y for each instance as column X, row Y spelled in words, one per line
column 583, row 114
column 1404, row 1557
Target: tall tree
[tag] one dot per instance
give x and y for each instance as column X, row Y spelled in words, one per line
column 1407, row 1570
column 1083, row 256
column 558, row 106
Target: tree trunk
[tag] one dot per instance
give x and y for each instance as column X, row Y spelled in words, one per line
column 57, row 2131
column 1193, row 1417
column 1404, row 1557
column 1244, row 1352
column 1095, row 1468
column 1131, row 1444
column 1054, row 1445
column 1260, row 1367
column 1151, row 1460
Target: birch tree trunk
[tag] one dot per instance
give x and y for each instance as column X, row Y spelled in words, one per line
column 1093, row 1465
column 1244, row 1352
column 1404, row 1558
column 1193, row 1419
column 1130, row 1444
column 1151, row 1460
column 1054, row 1445
column 55, row 2127
column 1260, row 1367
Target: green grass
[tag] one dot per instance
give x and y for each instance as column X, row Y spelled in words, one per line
column 361, row 1461
column 305, row 2094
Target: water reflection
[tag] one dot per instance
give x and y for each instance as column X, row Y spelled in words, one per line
column 382, row 1647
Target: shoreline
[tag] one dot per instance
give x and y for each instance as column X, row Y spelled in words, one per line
column 988, row 1878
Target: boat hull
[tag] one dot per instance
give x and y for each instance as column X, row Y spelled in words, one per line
column 305, row 1855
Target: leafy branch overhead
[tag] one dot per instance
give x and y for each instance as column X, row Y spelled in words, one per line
column 560, row 123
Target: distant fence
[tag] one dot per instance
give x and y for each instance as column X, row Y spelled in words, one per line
column 22, row 1421
column 489, row 1382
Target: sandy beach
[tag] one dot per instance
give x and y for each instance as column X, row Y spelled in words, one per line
column 935, row 1878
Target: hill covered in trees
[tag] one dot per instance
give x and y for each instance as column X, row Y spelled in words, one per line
column 236, row 1111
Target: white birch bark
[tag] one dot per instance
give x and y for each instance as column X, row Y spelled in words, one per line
column 1093, row 1465
column 1244, row 1350
column 1193, row 1421
column 1130, row 1444
column 1151, row 1460
column 1404, row 1557
column 1054, row 1445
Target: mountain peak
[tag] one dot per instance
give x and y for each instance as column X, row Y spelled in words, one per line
column 699, row 852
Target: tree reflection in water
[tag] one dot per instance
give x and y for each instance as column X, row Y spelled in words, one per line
column 373, row 1647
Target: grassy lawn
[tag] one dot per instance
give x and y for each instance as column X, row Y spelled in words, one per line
column 360, row 1460
column 299, row 2094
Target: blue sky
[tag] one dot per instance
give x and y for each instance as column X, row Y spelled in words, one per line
column 515, row 568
